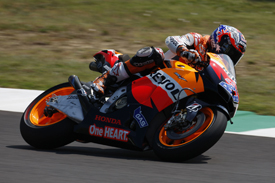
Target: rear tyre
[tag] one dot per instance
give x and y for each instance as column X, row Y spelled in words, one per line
column 193, row 145
column 44, row 132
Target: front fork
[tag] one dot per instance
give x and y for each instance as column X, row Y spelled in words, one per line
column 189, row 120
column 193, row 105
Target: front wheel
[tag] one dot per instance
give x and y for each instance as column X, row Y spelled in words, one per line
column 211, row 130
column 44, row 132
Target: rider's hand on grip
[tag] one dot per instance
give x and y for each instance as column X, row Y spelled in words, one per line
column 192, row 57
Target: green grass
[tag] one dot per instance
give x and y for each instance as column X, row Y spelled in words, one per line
column 45, row 41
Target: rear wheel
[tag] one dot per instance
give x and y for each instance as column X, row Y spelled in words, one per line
column 212, row 128
column 47, row 132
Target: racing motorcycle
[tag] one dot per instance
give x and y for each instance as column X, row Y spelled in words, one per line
column 176, row 111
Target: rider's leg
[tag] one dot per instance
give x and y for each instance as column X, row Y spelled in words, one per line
column 146, row 58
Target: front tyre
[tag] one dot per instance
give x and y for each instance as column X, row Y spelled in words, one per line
column 44, row 132
column 193, row 145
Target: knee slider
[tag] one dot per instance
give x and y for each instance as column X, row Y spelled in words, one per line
column 146, row 56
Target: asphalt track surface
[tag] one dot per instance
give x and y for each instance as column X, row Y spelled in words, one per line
column 235, row 158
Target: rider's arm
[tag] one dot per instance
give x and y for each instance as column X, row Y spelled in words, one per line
column 185, row 42
column 184, row 47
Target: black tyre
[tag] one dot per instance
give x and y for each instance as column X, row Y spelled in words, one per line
column 201, row 140
column 44, row 132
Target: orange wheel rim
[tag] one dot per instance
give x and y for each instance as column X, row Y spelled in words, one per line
column 37, row 116
column 209, row 115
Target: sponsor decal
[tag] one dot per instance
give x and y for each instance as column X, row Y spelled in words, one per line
column 195, row 107
column 179, row 76
column 167, row 83
column 231, row 89
column 115, row 69
column 140, row 118
column 116, row 134
column 108, row 120
column 221, row 70
column 72, row 97
column 143, row 63
column 173, row 41
column 109, row 133
column 228, row 73
column 96, row 131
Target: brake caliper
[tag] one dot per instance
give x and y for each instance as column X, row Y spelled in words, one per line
column 49, row 111
column 177, row 121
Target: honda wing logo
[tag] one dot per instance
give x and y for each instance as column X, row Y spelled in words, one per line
column 195, row 107
column 179, row 76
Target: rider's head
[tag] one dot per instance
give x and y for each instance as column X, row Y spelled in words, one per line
column 228, row 40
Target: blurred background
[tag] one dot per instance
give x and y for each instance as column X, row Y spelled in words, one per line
column 43, row 42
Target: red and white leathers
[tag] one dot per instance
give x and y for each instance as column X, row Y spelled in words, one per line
column 145, row 58
column 190, row 48
column 193, row 43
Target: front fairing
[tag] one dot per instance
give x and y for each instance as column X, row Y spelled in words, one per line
column 167, row 86
column 225, row 63
column 221, row 76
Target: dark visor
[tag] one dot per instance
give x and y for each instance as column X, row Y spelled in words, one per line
column 234, row 54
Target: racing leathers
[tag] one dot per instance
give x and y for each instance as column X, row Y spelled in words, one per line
column 190, row 49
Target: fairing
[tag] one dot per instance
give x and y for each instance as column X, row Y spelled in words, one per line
column 220, row 78
column 166, row 86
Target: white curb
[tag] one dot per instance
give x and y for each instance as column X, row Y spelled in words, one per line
column 16, row 100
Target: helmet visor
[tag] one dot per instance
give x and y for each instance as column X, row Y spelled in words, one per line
column 233, row 53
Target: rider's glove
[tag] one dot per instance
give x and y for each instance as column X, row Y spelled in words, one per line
column 191, row 56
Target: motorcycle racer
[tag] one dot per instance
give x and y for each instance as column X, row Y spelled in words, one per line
column 190, row 48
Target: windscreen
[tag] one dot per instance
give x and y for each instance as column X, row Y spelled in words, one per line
column 226, row 61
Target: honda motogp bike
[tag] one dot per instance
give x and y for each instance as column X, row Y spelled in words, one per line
column 176, row 111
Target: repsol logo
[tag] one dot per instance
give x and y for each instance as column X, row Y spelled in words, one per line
column 167, row 84
column 108, row 120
